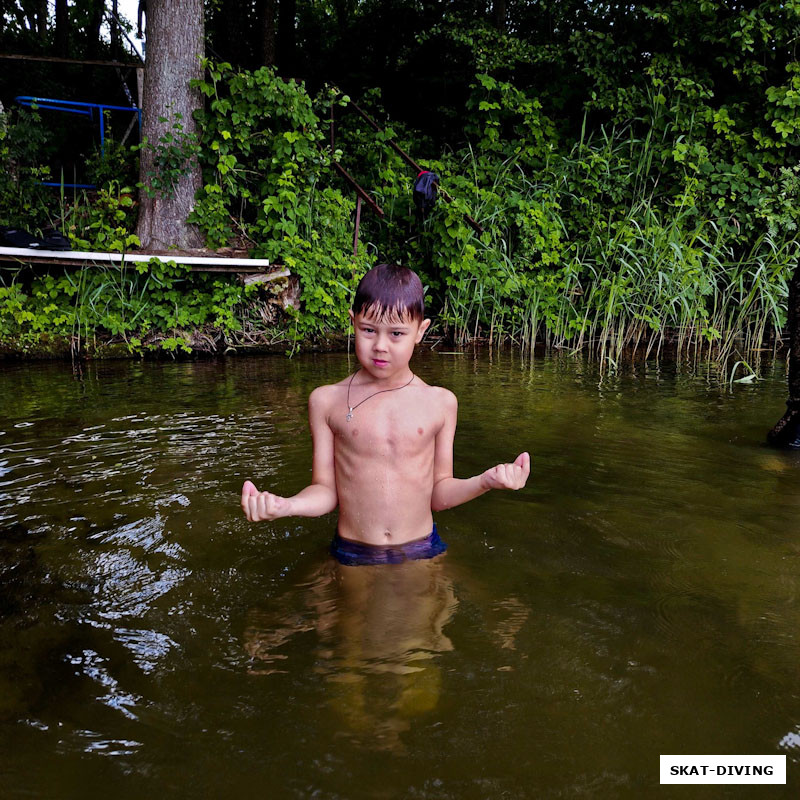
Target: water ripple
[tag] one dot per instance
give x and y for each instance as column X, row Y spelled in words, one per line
column 93, row 666
column 127, row 587
column 147, row 646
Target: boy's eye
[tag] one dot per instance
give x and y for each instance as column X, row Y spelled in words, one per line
column 398, row 334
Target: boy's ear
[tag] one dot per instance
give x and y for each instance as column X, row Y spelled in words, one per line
column 352, row 317
column 424, row 325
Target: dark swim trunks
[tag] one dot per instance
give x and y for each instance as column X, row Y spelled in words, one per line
column 358, row 554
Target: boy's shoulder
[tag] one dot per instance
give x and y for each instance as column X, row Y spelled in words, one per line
column 438, row 394
column 436, row 399
column 325, row 393
column 332, row 393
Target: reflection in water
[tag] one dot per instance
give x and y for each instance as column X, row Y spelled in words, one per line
column 379, row 630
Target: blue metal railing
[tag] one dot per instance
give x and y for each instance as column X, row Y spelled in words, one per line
column 91, row 110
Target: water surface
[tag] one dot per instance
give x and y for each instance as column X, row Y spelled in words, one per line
column 640, row 597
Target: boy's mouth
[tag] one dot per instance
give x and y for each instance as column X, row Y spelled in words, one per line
column 379, row 362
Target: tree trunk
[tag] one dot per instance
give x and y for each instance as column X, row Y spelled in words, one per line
column 175, row 45
column 97, row 8
column 499, row 14
column 786, row 432
column 62, row 28
column 269, row 7
column 287, row 37
column 116, row 42
column 42, row 16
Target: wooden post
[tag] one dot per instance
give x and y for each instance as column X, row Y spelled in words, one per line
column 358, row 224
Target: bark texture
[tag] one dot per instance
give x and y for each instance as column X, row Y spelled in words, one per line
column 268, row 28
column 786, row 432
column 175, row 45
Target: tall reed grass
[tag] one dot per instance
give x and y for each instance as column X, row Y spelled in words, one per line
column 589, row 252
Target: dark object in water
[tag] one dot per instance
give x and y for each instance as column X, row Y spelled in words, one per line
column 786, row 432
column 15, row 532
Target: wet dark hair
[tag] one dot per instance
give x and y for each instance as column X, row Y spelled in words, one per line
column 390, row 291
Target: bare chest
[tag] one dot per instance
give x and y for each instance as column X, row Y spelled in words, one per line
column 386, row 428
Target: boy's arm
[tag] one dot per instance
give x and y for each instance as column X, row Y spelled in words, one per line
column 320, row 496
column 449, row 491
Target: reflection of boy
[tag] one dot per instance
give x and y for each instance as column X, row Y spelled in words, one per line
column 379, row 634
column 383, row 439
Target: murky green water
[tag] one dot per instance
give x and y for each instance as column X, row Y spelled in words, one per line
column 641, row 597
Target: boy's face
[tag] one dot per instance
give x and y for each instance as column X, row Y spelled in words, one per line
column 384, row 347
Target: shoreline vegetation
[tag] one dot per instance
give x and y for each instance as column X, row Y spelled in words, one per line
column 664, row 219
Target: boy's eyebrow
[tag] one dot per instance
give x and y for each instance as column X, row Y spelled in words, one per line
column 395, row 326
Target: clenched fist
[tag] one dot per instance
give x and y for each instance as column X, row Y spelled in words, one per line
column 508, row 476
column 260, row 506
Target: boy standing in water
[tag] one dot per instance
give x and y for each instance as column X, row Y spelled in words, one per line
column 383, row 439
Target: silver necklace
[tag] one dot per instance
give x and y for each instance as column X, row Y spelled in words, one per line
column 351, row 409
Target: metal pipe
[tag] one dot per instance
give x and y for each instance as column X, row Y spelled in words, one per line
column 77, row 61
column 358, row 190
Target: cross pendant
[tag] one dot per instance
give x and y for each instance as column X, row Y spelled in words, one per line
column 349, row 415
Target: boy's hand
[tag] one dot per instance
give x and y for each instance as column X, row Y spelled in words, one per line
column 508, row 476
column 260, row 506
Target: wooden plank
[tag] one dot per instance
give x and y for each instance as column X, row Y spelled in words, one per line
column 76, row 258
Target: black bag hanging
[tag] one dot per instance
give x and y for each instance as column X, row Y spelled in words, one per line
column 426, row 187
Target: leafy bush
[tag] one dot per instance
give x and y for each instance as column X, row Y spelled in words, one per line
column 269, row 182
column 23, row 201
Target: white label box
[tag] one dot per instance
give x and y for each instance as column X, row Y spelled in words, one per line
column 723, row 769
